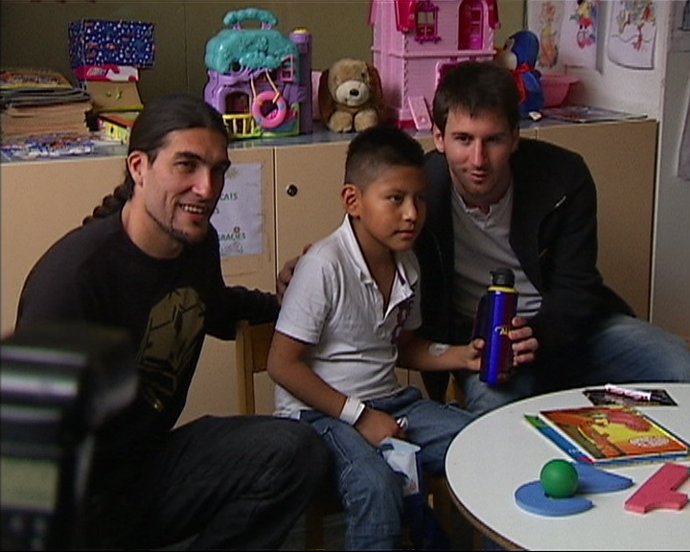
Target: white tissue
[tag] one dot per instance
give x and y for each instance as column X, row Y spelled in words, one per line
column 402, row 458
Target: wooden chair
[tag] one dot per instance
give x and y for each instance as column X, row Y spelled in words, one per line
column 252, row 343
column 251, row 354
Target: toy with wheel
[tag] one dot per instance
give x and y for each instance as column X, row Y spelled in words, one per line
column 269, row 109
column 259, row 80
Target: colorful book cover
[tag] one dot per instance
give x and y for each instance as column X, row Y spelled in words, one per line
column 609, row 434
column 28, row 87
column 30, row 78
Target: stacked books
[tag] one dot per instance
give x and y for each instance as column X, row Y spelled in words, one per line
column 37, row 102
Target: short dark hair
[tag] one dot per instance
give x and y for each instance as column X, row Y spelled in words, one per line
column 159, row 118
column 477, row 87
column 380, row 147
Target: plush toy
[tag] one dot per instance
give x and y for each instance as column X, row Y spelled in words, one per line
column 350, row 96
column 519, row 54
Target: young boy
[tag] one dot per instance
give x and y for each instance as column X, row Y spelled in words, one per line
column 347, row 321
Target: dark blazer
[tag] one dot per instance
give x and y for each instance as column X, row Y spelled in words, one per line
column 553, row 233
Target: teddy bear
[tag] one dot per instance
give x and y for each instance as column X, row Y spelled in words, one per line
column 519, row 54
column 350, row 96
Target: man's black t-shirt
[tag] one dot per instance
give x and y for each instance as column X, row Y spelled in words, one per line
column 95, row 273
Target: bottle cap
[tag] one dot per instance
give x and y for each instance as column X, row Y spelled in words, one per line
column 502, row 277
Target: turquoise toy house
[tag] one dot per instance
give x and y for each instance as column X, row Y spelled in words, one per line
column 259, row 79
column 414, row 41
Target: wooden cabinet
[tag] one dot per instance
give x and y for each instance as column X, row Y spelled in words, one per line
column 621, row 156
column 308, row 180
column 300, row 182
column 40, row 202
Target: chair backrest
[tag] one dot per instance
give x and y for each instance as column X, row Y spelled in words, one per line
column 252, row 342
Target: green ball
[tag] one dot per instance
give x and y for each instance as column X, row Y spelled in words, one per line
column 559, row 479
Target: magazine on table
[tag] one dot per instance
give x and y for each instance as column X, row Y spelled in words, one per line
column 588, row 114
column 611, row 394
column 609, row 434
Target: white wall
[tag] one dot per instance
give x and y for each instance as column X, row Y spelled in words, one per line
column 671, row 263
column 660, row 93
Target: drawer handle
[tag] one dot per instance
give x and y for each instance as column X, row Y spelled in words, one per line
column 292, row 190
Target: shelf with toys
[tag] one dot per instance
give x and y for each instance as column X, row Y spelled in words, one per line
column 300, row 160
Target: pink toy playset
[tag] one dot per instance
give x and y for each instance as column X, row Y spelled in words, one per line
column 258, row 79
column 415, row 41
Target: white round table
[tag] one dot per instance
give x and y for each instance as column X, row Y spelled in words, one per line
column 491, row 457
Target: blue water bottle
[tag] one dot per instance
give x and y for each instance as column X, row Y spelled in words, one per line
column 494, row 315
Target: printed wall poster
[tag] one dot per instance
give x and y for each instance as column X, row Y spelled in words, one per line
column 579, row 31
column 239, row 214
column 568, row 32
column 632, row 33
column 544, row 18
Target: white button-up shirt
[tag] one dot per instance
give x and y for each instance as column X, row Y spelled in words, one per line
column 334, row 304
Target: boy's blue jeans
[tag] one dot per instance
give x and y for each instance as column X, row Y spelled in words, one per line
column 370, row 490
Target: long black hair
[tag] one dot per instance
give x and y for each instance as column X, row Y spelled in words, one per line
column 159, row 118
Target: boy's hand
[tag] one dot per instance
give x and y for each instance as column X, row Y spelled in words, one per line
column 473, row 351
column 376, row 425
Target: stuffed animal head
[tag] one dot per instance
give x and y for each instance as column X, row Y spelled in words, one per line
column 520, row 48
column 350, row 96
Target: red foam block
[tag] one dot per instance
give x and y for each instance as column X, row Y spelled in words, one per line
column 659, row 491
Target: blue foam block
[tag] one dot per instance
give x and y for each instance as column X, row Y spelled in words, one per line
column 531, row 497
column 595, row 480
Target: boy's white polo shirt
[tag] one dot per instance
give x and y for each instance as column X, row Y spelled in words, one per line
column 333, row 303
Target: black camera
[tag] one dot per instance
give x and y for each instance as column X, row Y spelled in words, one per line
column 59, row 384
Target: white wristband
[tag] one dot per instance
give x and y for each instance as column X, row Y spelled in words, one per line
column 352, row 410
